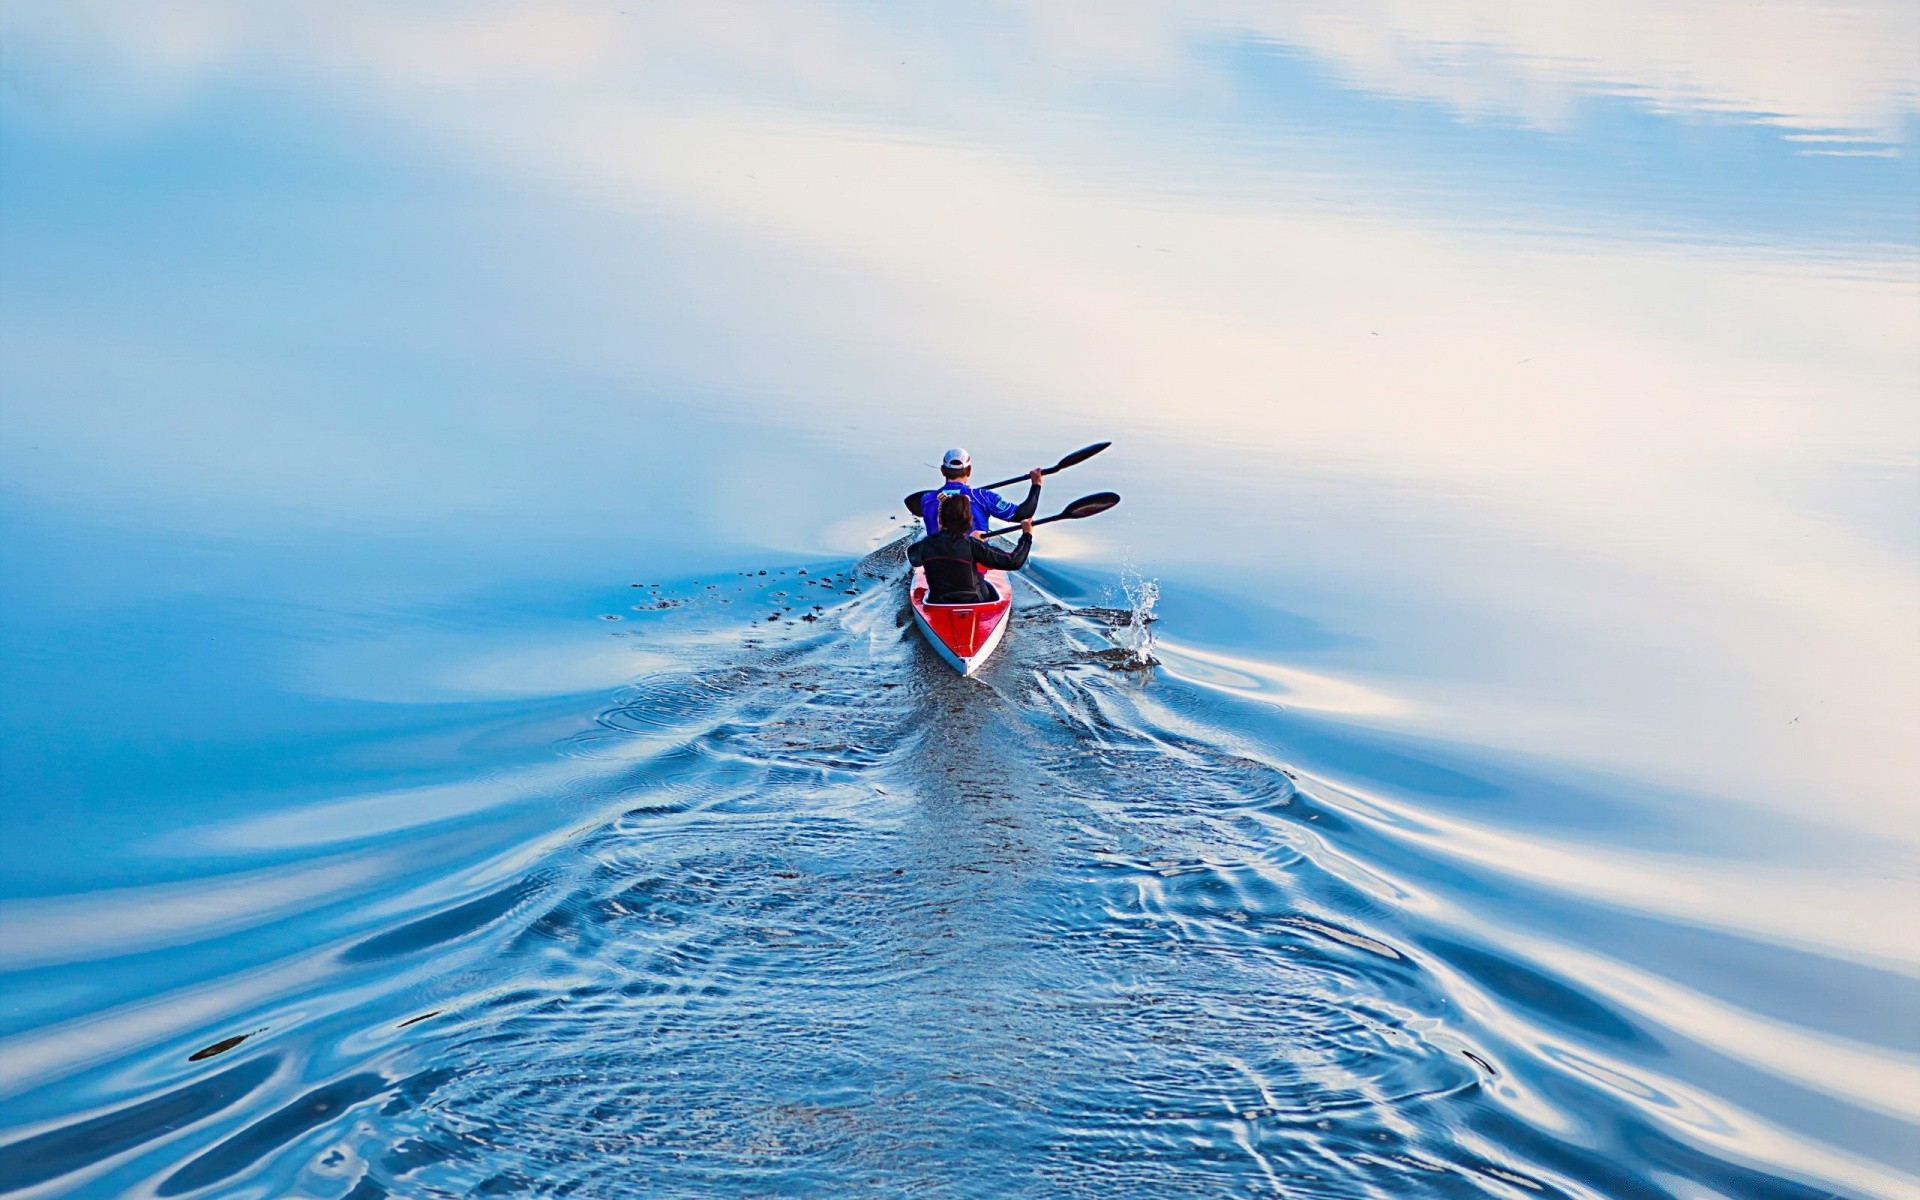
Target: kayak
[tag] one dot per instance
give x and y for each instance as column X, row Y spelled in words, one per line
column 966, row 635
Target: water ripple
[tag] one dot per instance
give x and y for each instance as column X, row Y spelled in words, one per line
column 840, row 923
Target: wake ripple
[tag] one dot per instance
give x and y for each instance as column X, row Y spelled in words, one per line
column 865, row 928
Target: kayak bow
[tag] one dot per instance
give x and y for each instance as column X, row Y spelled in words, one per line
column 966, row 635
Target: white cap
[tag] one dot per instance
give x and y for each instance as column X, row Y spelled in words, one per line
column 955, row 459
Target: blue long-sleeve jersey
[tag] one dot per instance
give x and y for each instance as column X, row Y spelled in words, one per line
column 987, row 506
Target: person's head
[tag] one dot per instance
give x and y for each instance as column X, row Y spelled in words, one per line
column 956, row 513
column 956, row 464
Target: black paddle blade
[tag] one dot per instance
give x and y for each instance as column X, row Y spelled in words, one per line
column 1087, row 506
column 1081, row 455
column 915, row 501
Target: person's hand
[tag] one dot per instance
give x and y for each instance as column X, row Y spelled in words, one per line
column 1026, row 527
column 1033, row 476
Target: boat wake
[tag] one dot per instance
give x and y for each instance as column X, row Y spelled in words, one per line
column 828, row 919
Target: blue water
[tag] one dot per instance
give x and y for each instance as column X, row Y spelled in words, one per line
column 461, row 734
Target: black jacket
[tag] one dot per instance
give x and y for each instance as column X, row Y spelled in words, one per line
column 952, row 577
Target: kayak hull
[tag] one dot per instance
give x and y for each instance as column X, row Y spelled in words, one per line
column 964, row 635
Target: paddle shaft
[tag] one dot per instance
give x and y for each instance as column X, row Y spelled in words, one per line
column 1086, row 506
column 1013, row 529
column 1078, row 456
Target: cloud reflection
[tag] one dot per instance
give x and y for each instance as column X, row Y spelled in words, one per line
column 955, row 193
column 1839, row 67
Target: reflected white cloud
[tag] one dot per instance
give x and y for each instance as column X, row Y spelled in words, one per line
column 48, row 930
column 1614, row 418
column 1845, row 67
column 422, row 671
column 361, row 818
column 1839, row 66
column 1290, row 687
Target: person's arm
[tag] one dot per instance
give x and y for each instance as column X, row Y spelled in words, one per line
column 988, row 554
column 916, row 552
column 1031, row 504
column 998, row 507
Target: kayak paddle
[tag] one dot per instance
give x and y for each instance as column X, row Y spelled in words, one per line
column 1078, row 456
column 1085, row 506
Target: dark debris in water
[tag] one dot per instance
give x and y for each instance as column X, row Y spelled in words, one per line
column 1118, row 658
column 1116, row 618
column 888, row 562
column 220, row 1047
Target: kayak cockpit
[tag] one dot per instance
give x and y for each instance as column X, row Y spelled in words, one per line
column 967, row 633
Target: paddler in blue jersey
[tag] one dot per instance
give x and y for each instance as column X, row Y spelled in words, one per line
column 956, row 465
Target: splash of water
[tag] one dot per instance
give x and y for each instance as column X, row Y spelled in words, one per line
column 1136, row 636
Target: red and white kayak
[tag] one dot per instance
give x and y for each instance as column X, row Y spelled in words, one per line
column 966, row 635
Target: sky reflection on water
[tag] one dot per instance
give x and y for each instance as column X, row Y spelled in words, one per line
column 452, row 268
column 1536, row 383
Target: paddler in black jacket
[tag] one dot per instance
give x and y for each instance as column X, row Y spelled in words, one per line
column 954, row 557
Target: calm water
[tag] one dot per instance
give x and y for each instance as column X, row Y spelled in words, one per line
column 460, row 733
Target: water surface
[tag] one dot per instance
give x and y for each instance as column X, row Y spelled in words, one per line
column 413, row 785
